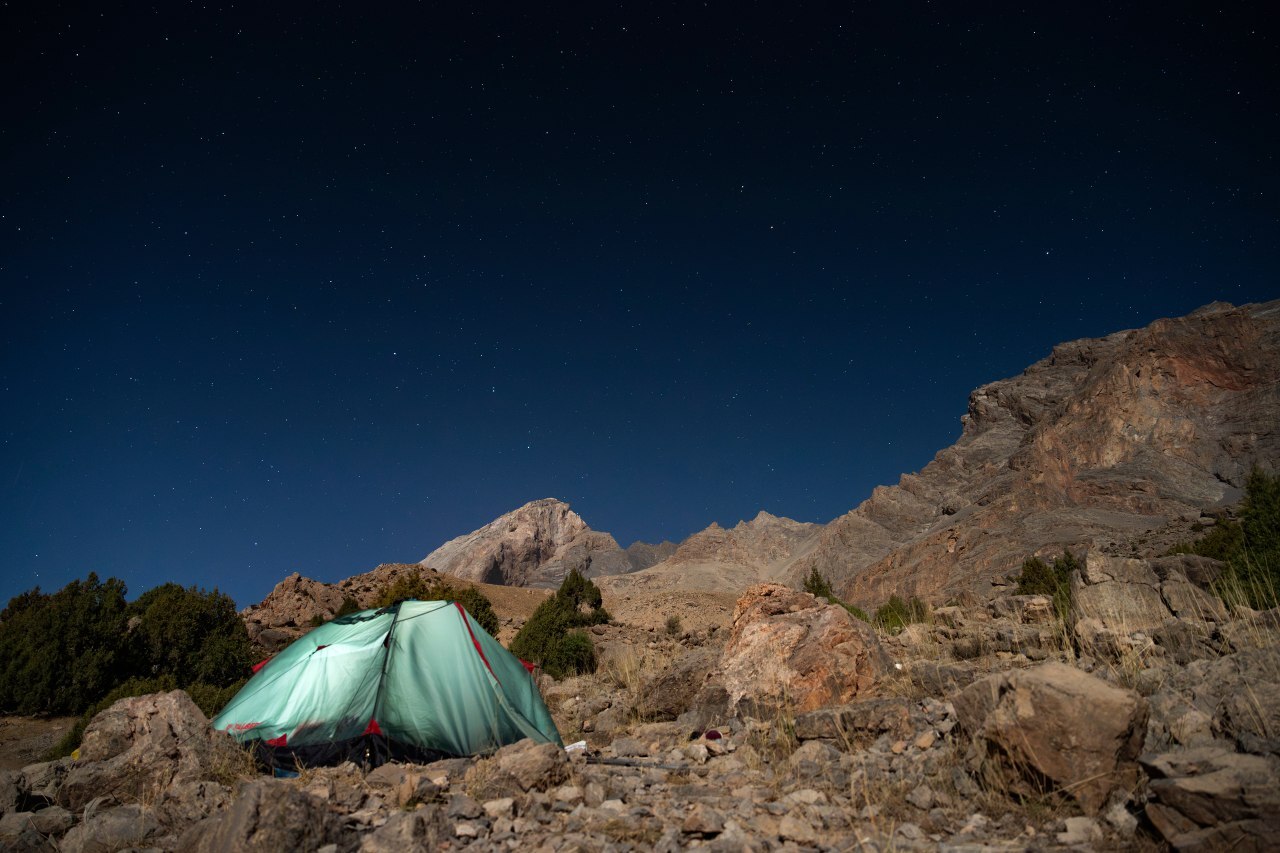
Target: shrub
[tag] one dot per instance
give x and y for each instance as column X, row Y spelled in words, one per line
column 414, row 586
column 193, row 635
column 818, row 586
column 1250, row 547
column 349, row 605
column 1041, row 578
column 673, row 625
column 549, row 638
column 60, row 652
column 898, row 613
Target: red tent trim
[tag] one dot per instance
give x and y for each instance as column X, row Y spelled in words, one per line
column 476, row 642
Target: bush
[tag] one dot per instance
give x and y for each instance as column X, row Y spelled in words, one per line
column 65, row 652
column 1250, row 547
column 549, row 637
column 414, row 586
column 898, row 613
column 673, row 625
column 193, row 635
column 1041, row 578
column 61, row 652
column 818, row 586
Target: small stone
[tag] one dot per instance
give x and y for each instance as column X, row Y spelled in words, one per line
column 462, row 806
column 926, row 740
column 570, row 794
column 1080, row 830
column 797, row 830
column 976, row 823
column 1121, row 820
column 899, row 747
column 703, row 820
column 615, row 806
column 466, row 830
column 503, row 807
column 911, row 832
column 921, row 797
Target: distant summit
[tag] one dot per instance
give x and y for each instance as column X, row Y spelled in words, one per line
column 537, row 545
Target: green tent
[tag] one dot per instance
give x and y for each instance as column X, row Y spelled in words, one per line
column 418, row 680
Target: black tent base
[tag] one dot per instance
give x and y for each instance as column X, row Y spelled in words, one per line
column 368, row 751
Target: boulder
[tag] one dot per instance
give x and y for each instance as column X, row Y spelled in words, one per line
column 1123, row 594
column 671, row 692
column 145, row 748
column 517, row 768
column 1210, row 798
column 1054, row 728
column 269, row 815
column 109, row 829
column 865, row 720
column 788, row 648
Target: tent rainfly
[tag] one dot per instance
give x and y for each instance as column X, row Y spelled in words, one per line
column 418, row 680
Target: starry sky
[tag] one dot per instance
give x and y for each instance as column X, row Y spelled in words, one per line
column 314, row 288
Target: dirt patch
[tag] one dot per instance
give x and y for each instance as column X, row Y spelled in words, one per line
column 23, row 740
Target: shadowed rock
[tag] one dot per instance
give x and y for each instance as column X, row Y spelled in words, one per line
column 1054, row 729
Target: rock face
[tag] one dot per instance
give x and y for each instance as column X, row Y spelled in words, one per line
column 535, row 545
column 1058, row 726
column 1210, row 798
column 145, row 747
column 1106, row 441
column 787, row 648
column 288, row 610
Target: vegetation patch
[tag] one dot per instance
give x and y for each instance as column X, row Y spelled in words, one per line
column 414, row 586
column 818, row 586
column 897, row 613
column 65, row 652
column 1250, row 546
column 1050, row 579
column 553, row 637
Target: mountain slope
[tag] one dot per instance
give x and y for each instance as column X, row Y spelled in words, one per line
column 1104, row 444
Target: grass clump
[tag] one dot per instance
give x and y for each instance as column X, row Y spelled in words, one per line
column 817, row 585
column 1050, row 579
column 553, row 639
column 413, row 585
column 897, row 613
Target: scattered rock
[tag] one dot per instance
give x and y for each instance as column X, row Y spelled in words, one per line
column 1054, row 725
column 1209, row 798
column 269, row 815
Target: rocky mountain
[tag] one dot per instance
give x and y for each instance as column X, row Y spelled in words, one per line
column 537, row 545
column 1116, row 444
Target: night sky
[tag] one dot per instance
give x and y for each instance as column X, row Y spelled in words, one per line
column 319, row 289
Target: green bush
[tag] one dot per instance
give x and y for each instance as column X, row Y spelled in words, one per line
column 898, row 613
column 817, row 585
column 549, row 638
column 65, row 652
column 193, row 635
column 414, row 586
column 1053, row 580
column 673, row 625
column 61, row 652
column 1250, row 546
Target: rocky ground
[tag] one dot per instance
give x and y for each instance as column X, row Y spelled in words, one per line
column 1153, row 721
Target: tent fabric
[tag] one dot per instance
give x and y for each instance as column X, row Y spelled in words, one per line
column 417, row 680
